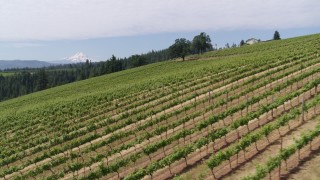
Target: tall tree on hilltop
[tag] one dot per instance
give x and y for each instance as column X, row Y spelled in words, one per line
column 180, row 48
column 276, row 35
column 201, row 43
column 242, row 43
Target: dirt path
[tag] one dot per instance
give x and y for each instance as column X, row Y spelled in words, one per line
column 263, row 156
column 251, row 152
column 309, row 169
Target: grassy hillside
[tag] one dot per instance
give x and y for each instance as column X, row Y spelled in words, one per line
column 168, row 118
column 6, row 73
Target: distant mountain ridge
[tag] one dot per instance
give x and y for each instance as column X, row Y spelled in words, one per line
column 9, row 64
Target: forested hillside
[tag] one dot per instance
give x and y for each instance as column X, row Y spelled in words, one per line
column 16, row 82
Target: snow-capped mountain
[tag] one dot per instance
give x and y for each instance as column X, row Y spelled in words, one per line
column 77, row 58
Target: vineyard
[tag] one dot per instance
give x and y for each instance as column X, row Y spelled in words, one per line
column 251, row 112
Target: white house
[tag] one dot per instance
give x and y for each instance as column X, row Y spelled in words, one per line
column 252, row 41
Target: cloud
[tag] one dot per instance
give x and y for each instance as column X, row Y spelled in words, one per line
column 81, row 19
column 24, row 45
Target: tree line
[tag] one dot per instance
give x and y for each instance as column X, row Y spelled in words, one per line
column 200, row 44
column 183, row 47
column 28, row 80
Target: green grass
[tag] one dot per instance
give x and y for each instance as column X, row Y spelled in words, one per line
column 6, row 73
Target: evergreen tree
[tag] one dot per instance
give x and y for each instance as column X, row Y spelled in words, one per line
column 276, row 35
column 137, row 60
column 242, row 43
column 42, row 80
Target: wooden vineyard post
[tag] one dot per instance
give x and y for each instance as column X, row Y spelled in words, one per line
column 272, row 108
column 281, row 139
column 119, row 174
column 170, row 168
column 204, row 102
column 289, row 124
column 259, row 104
column 150, row 156
column 237, row 158
column 310, row 92
column 232, row 118
column 247, row 103
column 213, row 173
column 227, row 100
column 302, row 109
column 166, row 133
column 314, row 110
column 213, row 142
column 225, row 139
column 255, row 143
column 195, row 102
column 185, row 158
column 185, row 111
column 310, row 146
column 269, row 175
column 315, row 94
column 184, row 137
column 164, row 152
column 268, row 138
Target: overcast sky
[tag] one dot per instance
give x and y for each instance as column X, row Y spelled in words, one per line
column 53, row 29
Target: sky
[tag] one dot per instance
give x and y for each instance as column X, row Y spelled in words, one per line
column 52, row 30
